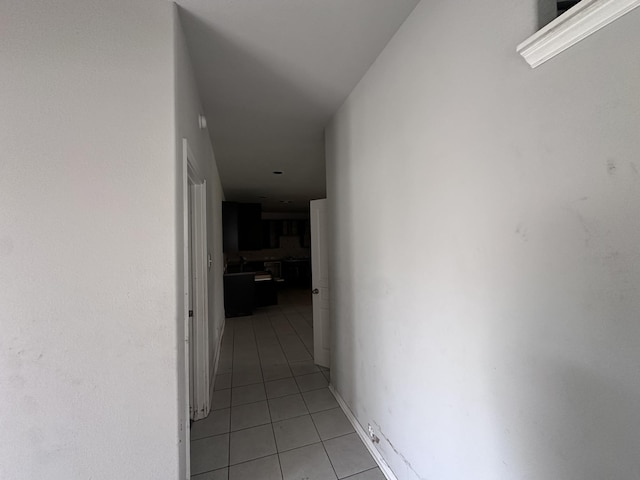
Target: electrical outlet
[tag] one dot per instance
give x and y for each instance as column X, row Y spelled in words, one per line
column 374, row 438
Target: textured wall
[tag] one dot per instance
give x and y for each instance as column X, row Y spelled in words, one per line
column 87, row 241
column 485, row 233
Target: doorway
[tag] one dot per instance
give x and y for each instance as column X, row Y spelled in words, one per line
column 197, row 376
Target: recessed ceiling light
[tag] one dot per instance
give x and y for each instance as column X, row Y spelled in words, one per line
column 278, row 172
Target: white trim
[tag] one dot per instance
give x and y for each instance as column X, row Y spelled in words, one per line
column 214, row 371
column 575, row 24
column 197, row 345
column 200, row 343
column 386, row 470
column 185, row 310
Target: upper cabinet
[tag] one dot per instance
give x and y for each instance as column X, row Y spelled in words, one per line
column 244, row 229
column 272, row 230
column 241, row 226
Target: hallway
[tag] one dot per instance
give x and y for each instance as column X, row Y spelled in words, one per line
column 272, row 416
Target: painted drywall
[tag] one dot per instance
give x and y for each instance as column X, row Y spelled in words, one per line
column 485, row 236
column 188, row 108
column 88, row 357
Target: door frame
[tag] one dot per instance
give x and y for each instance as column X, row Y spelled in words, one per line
column 194, row 185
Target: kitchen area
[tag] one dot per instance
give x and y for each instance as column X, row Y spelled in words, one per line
column 265, row 253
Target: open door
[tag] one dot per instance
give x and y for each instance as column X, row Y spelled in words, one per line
column 320, row 284
column 196, row 291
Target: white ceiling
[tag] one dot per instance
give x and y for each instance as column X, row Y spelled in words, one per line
column 271, row 74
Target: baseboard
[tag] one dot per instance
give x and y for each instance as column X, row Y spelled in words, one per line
column 386, row 470
column 214, row 371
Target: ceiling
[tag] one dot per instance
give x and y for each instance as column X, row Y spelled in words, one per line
column 271, row 73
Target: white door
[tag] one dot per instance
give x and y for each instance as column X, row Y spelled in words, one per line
column 320, row 284
column 196, row 320
column 190, row 286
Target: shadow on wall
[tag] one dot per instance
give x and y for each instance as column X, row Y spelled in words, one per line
column 547, row 11
column 277, row 110
column 580, row 425
column 342, row 263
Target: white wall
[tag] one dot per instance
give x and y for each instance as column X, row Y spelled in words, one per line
column 486, row 249
column 87, row 241
column 188, row 107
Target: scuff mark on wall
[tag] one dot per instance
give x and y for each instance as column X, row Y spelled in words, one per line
column 611, row 166
column 521, row 231
column 585, row 228
column 404, row 460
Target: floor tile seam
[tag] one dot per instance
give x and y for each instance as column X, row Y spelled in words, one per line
column 279, row 353
column 247, row 385
column 321, row 410
column 296, row 329
column 286, row 394
column 248, row 403
column 252, row 460
column 291, row 418
column 360, row 440
column 313, row 389
column 278, row 457
column 360, row 473
column 301, row 446
column 245, row 370
column 301, row 374
column 323, row 446
column 335, row 472
column 316, row 411
column 232, row 340
column 296, row 448
column 252, row 426
column 288, row 362
column 269, row 409
column 337, row 436
column 252, row 359
column 268, row 346
column 209, row 436
column 300, row 338
column 241, row 365
column 259, row 358
column 209, row 471
column 271, row 419
column 218, row 409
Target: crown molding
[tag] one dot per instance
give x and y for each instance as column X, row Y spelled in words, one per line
column 577, row 23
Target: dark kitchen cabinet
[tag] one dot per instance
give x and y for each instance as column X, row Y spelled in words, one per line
column 272, row 230
column 239, row 293
column 249, row 226
column 241, row 226
column 229, row 227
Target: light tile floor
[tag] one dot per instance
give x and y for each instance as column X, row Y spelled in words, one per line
column 273, row 417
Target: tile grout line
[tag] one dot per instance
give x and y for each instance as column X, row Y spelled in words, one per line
column 322, row 442
column 360, row 473
column 299, row 337
column 233, row 347
column 277, row 336
column 273, row 433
